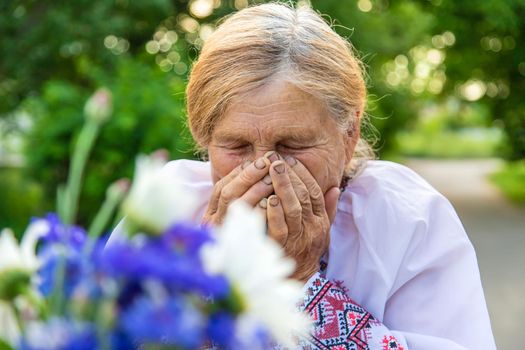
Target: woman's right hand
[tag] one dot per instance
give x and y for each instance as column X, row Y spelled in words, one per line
column 249, row 182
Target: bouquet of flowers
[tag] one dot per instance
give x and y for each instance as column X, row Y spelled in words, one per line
column 163, row 283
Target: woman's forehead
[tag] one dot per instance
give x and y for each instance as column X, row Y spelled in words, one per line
column 276, row 94
column 275, row 98
column 276, row 110
column 292, row 115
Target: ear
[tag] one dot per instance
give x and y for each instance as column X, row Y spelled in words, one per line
column 352, row 136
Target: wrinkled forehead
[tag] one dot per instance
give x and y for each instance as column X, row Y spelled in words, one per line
column 274, row 112
column 276, row 97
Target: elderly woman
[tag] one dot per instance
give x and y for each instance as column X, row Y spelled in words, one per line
column 276, row 100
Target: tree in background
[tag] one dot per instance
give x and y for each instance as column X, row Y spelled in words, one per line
column 59, row 52
column 465, row 54
column 486, row 65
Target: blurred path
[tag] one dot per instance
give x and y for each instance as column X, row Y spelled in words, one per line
column 497, row 230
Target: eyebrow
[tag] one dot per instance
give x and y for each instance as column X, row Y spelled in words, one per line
column 294, row 134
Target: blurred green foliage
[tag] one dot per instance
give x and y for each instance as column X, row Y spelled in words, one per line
column 433, row 51
column 444, row 132
column 511, row 180
column 21, row 199
column 418, row 53
column 144, row 119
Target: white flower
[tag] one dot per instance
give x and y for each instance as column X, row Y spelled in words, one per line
column 23, row 256
column 18, row 263
column 256, row 266
column 157, row 199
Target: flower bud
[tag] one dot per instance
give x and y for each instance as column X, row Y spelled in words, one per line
column 99, row 106
column 118, row 189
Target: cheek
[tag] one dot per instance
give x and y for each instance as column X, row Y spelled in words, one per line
column 222, row 163
column 326, row 167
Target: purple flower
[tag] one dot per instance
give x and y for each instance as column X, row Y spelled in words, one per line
column 170, row 322
column 59, row 334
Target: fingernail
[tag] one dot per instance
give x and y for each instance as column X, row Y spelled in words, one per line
column 245, row 164
column 263, row 203
column 260, row 163
column 291, row 160
column 279, row 167
column 267, row 179
column 274, row 200
column 272, row 156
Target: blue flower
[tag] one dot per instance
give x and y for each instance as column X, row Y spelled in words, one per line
column 186, row 238
column 221, row 330
column 62, row 248
column 171, row 322
column 79, row 270
column 55, row 259
column 73, row 236
column 172, row 259
column 59, row 334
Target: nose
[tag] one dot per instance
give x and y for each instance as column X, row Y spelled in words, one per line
column 271, row 154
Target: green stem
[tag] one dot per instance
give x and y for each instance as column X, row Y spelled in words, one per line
column 57, row 295
column 104, row 322
column 102, row 334
column 101, row 219
column 61, row 201
column 83, row 147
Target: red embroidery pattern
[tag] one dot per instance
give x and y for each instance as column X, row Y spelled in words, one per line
column 390, row 343
column 339, row 322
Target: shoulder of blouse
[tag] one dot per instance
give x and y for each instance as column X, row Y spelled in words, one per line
column 190, row 171
column 391, row 184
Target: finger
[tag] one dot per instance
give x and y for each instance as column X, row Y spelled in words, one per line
column 284, row 190
column 277, row 227
column 301, row 192
column 272, row 156
column 217, row 188
column 331, row 198
column 240, row 184
column 261, row 208
column 258, row 191
column 316, row 193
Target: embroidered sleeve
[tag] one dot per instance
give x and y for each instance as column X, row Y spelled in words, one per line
column 339, row 322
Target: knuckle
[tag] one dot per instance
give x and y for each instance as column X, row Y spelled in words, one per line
column 295, row 212
column 226, row 195
column 245, row 177
column 217, row 188
column 316, row 194
column 303, row 196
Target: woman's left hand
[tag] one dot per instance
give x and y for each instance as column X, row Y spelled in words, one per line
column 299, row 215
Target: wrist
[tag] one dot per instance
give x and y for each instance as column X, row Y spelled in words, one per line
column 304, row 272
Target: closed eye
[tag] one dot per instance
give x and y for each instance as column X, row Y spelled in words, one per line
column 237, row 147
column 293, row 147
